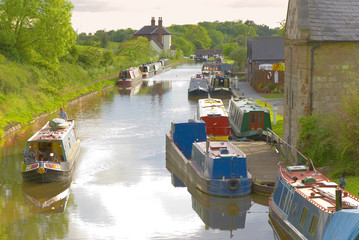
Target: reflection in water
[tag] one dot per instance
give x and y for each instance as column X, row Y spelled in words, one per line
column 220, row 213
column 46, row 198
column 121, row 188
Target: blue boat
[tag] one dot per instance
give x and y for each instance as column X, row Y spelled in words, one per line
column 305, row 204
column 216, row 168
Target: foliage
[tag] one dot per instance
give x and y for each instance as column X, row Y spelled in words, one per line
column 315, row 140
column 332, row 139
column 104, row 38
column 185, row 46
column 137, row 51
column 198, row 36
column 239, row 55
column 36, row 31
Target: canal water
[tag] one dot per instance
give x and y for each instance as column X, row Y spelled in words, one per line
column 121, row 187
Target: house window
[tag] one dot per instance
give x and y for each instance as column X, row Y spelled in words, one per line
column 303, row 217
column 313, row 225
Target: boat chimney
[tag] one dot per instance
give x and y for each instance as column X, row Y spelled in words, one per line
column 338, row 200
column 207, row 145
column 153, row 22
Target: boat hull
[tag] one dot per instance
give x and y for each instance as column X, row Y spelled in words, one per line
column 198, row 93
column 176, row 161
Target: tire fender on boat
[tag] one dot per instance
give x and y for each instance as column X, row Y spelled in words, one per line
column 233, row 184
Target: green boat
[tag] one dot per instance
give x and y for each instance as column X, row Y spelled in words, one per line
column 248, row 119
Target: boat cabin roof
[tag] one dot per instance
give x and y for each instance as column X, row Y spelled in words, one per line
column 316, row 187
column 47, row 133
column 221, row 149
column 211, row 107
column 248, row 106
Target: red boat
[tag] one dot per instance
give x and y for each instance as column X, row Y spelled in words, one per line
column 213, row 113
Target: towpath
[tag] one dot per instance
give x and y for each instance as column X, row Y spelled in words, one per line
column 96, row 81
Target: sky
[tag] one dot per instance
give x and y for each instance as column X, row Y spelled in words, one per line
column 91, row 15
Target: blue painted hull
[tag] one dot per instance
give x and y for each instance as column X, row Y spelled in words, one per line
column 285, row 208
column 191, row 173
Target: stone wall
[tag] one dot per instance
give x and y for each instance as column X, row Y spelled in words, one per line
column 335, row 71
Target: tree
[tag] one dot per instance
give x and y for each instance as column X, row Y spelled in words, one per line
column 184, row 45
column 239, row 55
column 37, row 30
column 217, row 38
column 198, row 36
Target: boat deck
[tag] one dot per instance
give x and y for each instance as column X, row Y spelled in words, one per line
column 317, row 188
column 216, row 149
column 48, row 133
column 262, row 161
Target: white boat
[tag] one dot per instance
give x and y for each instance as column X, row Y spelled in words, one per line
column 51, row 153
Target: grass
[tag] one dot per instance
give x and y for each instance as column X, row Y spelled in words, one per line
column 278, row 128
column 275, row 95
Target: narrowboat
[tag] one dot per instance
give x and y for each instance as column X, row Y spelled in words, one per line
column 159, row 68
column 220, row 85
column 306, row 204
column 147, row 70
column 198, row 86
column 210, row 67
column 213, row 113
column 248, row 119
column 129, row 78
column 51, row 153
column 215, row 168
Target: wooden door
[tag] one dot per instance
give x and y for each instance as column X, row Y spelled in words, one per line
column 256, row 120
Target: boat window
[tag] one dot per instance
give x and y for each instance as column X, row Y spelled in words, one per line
column 259, row 118
column 283, row 202
column 253, row 118
column 313, row 225
column 288, row 205
column 303, row 217
column 294, row 208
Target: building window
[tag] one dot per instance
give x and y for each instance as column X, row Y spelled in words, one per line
column 303, row 217
column 313, row 225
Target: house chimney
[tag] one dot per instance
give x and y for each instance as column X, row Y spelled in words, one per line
column 160, row 30
column 153, row 21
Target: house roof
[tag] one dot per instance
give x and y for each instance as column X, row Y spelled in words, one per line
column 266, row 48
column 329, row 20
column 151, row 30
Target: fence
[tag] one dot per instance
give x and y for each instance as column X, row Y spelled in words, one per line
column 289, row 153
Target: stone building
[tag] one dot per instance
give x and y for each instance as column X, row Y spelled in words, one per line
column 159, row 36
column 321, row 57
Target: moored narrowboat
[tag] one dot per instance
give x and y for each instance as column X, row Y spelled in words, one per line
column 220, row 85
column 147, row 70
column 216, row 168
column 306, row 204
column 130, row 77
column 213, row 113
column 51, row 153
column 248, row 119
column 198, row 86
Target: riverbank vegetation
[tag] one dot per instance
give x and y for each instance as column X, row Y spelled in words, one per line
column 44, row 63
column 332, row 139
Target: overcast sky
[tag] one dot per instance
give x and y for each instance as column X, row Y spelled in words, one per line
column 92, row 15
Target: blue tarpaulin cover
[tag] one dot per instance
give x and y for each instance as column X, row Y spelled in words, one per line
column 343, row 225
